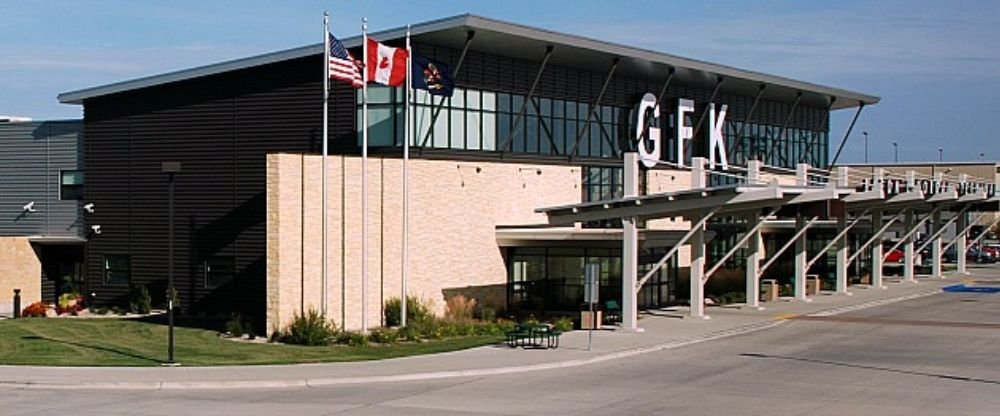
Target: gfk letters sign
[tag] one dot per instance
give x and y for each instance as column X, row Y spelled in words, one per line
column 650, row 138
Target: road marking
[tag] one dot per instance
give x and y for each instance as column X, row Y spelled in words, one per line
column 907, row 322
column 786, row 316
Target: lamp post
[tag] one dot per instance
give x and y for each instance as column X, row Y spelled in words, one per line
column 171, row 169
column 940, row 154
column 895, row 152
column 866, row 145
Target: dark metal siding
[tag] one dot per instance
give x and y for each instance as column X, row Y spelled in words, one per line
column 221, row 129
column 31, row 158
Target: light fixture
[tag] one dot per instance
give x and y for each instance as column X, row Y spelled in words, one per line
column 96, row 228
column 89, row 208
column 29, row 207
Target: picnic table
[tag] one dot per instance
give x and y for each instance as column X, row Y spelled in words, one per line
column 534, row 335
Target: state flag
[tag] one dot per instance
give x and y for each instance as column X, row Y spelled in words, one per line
column 431, row 75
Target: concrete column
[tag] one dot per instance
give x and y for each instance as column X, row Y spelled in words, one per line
column 842, row 255
column 876, row 251
column 753, row 172
column 801, row 258
column 802, row 174
column 961, row 243
column 630, row 248
column 697, row 242
column 936, row 246
column 699, row 177
column 753, row 264
column 909, row 257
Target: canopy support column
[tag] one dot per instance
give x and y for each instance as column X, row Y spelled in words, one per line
column 936, row 245
column 876, row 249
column 908, row 255
column 800, row 257
column 630, row 248
column 960, row 242
column 841, row 241
column 753, row 264
column 698, row 271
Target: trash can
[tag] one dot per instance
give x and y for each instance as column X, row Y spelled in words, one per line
column 812, row 284
column 590, row 320
column 769, row 290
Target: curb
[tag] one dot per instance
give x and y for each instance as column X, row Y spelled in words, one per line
column 324, row 382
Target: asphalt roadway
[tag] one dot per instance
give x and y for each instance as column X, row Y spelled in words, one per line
column 934, row 355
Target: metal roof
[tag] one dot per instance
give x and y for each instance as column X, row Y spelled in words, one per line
column 519, row 41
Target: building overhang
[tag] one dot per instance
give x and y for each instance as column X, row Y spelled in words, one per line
column 524, row 42
column 690, row 203
column 534, row 236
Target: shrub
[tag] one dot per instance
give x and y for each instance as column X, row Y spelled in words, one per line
column 408, row 333
column 563, row 323
column 70, row 303
column 459, row 308
column 487, row 314
column 139, row 300
column 354, row 339
column 35, row 310
column 311, row 328
column 237, row 325
column 384, row 336
column 416, row 310
column 731, row 297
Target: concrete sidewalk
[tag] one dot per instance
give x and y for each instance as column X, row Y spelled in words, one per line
column 663, row 329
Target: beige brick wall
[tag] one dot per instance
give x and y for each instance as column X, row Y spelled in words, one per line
column 454, row 210
column 20, row 268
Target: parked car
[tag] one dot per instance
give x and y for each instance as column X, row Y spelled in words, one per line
column 977, row 255
column 895, row 256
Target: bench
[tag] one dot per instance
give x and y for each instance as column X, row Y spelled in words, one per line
column 533, row 335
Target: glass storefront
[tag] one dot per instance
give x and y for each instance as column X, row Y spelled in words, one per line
column 548, row 279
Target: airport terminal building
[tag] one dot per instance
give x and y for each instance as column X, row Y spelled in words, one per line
column 538, row 119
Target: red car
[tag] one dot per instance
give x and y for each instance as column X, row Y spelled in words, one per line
column 895, row 256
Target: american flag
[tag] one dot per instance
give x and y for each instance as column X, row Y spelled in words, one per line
column 343, row 66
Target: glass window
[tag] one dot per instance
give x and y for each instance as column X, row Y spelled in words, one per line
column 70, row 185
column 219, row 270
column 441, row 129
column 472, row 130
column 472, row 99
column 379, row 94
column 489, row 101
column 380, row 126
column 489, row 131
column 457, row 129
column 117, row 269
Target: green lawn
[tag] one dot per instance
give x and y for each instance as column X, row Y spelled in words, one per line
column 120, row 342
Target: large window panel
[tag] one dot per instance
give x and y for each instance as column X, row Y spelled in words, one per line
column 489, row 131
column 457, row 128
column 473, row 130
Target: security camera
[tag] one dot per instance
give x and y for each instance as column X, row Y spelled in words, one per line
column 96, row 229
column 89, row 208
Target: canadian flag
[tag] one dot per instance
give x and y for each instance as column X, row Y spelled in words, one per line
column 386, row 65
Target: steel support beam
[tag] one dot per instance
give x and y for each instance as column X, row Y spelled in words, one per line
column 824, row 121
column 791, row 113
column 908, row 255
column 592, row 106
column 739, row 244
column 939, row 229
column 841, row 232
column 774, row 256
column 458, row 67
column 962, row 223
column 743, row 126
column 877, row 235
column 673, row 250
column 985, row 231
column 704, row 113
column 836, row 157
column 524, row 105
column 630, row 246
column 910, row 229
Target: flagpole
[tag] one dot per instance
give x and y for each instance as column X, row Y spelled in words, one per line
column 406, row 177
column 364, row 177
column 326, row 115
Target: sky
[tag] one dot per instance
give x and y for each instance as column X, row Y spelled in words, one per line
column 935, row 64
